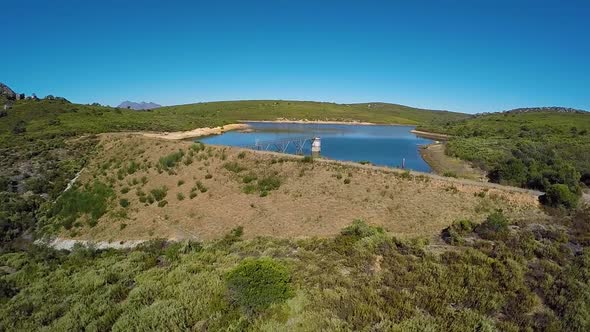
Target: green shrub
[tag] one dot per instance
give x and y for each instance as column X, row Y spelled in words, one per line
column 347, row 181
column 255, row 284
column 180, row 183
column 208, row 176
column 171, row 160
column 197, row 146
column 559, row 195
column 241, row 155
column 454, row 233
column 124, row 190
column 249, row 178
column 360, row 229
column 91, row 200
column 180, row 196
column 124, row 202
column 307, row 159
column 162, row 203
column 192, row 195
column 201, row 187
column 132, row 167
column 159, row 193
column 233, row 167
column 450, row 174
column 269, row 183
column 494, row 227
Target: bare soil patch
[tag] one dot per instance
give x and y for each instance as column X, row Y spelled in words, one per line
column 198, row 132
column 213, row 190
column 434, row 155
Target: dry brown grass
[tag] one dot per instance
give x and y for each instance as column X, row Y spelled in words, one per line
column 313, row 199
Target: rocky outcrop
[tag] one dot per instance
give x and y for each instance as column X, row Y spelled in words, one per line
column 7, row 92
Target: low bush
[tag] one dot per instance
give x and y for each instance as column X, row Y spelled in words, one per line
column 307, row 159
column 360, row 229
column 255, row 284
column 560, row 196
column 124, row 202
column 233, row 167
column 450, row 174
column 249, row 178
column 201, row 187
column 268, row 183
column 197, row 146
column 159, row 193
column 91, row 200
column 494, row 227
column 454, row 233
column 171, row 160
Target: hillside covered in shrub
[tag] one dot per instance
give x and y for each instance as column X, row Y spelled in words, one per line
column 544, row 148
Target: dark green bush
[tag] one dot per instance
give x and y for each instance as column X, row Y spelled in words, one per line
column 171, row 160
column 494, row 227
column 255, row 284
column 454, row 233
column 159, row 193
column 307, row 159
column 560, row 195
column 360, row 229
column 124, row 202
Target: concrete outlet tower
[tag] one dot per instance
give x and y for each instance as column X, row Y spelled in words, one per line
column 316, row 147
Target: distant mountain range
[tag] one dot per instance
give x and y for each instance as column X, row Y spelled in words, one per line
column 139, row 106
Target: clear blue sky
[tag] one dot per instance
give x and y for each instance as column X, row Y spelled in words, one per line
column 468, row 56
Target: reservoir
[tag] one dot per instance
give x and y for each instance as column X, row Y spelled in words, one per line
column 382, row 145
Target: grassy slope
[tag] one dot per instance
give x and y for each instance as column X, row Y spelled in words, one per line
column 332, row 195
column 55, row 117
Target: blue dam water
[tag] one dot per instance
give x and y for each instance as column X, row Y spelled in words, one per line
column 379, row 144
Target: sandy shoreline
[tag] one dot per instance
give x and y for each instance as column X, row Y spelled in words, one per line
column 327, row 122
column 426, row 134
column 198, row 132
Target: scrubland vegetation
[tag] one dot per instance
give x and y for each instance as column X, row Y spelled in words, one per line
column 497, row 264
column 543, row 150
column 532, row 276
